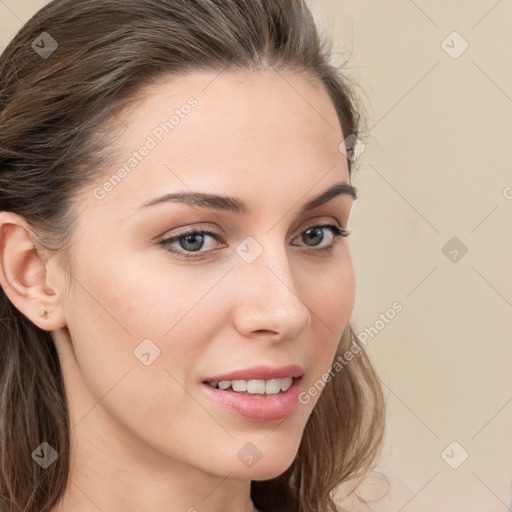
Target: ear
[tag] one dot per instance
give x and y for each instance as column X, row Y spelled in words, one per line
column 23, row 274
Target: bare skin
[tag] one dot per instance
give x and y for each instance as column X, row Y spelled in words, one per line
column 148, row 437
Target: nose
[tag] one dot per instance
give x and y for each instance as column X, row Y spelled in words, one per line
column 269, row 302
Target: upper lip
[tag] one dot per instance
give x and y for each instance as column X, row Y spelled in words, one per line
column 260, row 373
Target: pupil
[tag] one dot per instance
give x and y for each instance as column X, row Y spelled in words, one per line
column 315, row 235
column 197, row 245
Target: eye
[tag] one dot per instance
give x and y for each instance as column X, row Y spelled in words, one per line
column 189, row 241
column 193, row 241
column 315, row 234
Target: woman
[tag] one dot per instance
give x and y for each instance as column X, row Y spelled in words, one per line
column 175, row 269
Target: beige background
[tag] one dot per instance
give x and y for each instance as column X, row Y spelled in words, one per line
column 436, row 165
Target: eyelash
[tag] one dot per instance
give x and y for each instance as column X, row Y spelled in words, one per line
column 336, row 231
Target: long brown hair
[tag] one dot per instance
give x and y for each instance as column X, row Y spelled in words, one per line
column 56, row 100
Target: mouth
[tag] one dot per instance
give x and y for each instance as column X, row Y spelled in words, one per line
column 254, row 399
column 259, row 393
column 254, row 386
column 256, row 374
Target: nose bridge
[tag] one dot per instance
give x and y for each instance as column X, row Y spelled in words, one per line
column 269, row 298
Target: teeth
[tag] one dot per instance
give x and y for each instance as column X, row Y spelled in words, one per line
column 261, row 387
column 286, row 383
column 239, row 385
column 272, row 387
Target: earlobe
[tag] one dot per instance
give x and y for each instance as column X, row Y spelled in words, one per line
column 23, row 274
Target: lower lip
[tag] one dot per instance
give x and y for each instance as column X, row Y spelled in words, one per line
column 258, row 407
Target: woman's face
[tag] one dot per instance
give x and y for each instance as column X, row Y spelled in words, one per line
column 146, row 326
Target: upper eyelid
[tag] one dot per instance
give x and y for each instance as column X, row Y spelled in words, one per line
column 201, row 226
column 223, row 228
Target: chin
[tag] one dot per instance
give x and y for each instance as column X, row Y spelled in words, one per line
column 268, row 473
column 264, row 464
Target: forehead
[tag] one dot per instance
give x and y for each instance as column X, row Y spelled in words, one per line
column 213, row 131
column 251, row 105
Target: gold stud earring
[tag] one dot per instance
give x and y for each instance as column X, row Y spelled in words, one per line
column 44, row 313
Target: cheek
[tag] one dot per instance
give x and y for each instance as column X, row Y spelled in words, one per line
column 134, row 309
column 137, row 339
column 330, row 298
column 141, row 316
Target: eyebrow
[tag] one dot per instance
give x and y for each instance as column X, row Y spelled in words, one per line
column 234, row 204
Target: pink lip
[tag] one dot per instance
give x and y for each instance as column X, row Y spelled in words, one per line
column 257, row 407
column 260, row 373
